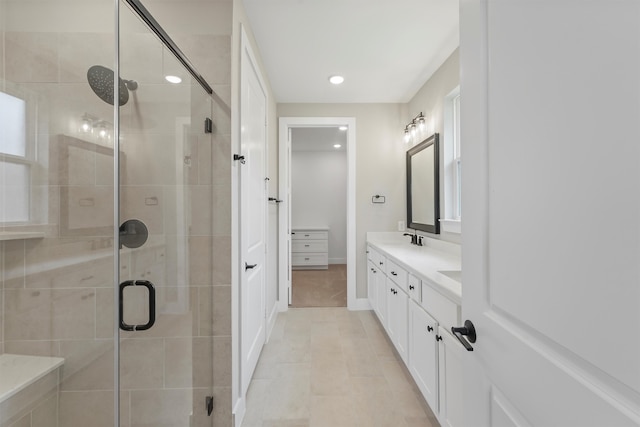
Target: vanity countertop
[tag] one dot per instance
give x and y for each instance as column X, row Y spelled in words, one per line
column 428, row 262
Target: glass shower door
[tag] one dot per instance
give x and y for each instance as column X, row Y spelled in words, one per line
column 165, row 294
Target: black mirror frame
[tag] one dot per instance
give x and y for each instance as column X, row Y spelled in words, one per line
column 430, row 228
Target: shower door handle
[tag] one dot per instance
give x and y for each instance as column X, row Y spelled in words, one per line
column 152, row 305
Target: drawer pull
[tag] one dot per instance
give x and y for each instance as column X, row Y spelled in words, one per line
column 306, row 246
column 381, row 263
column 438, row 338
column 429, row 328
column 306, row 235
column 306, row 259
column 411, row 287
column 393, row 273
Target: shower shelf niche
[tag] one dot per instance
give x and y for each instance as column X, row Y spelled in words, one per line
column 20, row 235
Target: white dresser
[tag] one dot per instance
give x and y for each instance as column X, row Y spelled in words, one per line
column 310, row 248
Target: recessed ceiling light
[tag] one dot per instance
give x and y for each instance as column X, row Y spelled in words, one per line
column 343, row 128
column 336, row 80
column 173, row 79
column 337, row 145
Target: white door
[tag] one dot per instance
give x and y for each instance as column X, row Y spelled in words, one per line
column 253, row 203
column 550, row 96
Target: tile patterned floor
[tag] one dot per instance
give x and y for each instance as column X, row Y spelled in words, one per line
column 330, row 367
column 320, row 288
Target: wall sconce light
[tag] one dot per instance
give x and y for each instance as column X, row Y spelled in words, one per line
column 415, row 126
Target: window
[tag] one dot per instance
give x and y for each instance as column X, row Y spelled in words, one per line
column 452, row 163
column 15, row 166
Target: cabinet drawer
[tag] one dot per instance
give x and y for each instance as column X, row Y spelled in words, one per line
column 309, row 259
column 415, row 288
column 309, row 235
column 397, row 274
column 445, row 311
column 378, row 260
column 309, row 246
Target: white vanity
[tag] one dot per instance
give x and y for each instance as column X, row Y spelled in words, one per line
column 416, row 293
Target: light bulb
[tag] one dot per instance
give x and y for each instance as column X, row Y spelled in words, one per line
column 336, row 80
column 173, row 79
column 337, row 145
column 407, row 135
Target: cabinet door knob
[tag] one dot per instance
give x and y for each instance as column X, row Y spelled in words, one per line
column 429, row 328
column 438, row 338
column 381, row 263
column 411, row 287
column 393, row 273
column 467, row 330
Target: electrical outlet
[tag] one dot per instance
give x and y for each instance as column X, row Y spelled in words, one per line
column 401, row 226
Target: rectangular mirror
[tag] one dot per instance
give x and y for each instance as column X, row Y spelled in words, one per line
column 423, row 187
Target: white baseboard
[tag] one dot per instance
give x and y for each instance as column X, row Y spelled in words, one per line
column 337, row 260
column 271, row 320
column 360, row 304
column 239, row 411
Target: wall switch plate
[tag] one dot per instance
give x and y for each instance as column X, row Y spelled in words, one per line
column 401, row 226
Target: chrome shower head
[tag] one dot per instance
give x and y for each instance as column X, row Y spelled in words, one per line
column 101, row 81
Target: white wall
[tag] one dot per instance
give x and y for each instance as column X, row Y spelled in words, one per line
column 319, row 196
column 379, row 167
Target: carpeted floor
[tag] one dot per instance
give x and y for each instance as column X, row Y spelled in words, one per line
column 320, row 288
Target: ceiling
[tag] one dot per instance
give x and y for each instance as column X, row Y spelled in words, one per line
column 385, row 49
column 318, row 139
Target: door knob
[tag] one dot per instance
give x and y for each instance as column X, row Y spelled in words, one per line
column 249, row 266
column 467, row 330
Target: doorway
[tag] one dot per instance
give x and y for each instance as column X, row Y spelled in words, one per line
column 319, row 217
column 329, row 258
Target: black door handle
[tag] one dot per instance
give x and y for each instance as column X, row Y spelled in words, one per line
column 467, row 330
column 411, row 287
column 249, row 266
column 152, row 305
column 429, row 328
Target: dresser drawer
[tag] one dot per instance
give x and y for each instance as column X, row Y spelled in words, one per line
column 397, row 274
column 310, row 259
column 309, row 246
column 309, row 235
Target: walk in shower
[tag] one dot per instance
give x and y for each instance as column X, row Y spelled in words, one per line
column 106, row 299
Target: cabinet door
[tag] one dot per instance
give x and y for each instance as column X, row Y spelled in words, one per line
column 423, row 353
column 450, row 360
column 397, row 318
column 372, row 294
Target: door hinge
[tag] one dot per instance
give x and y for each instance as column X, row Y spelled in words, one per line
column 209, row 403
column 239, row 157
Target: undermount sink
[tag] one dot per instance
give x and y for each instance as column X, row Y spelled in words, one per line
column 453, row 274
